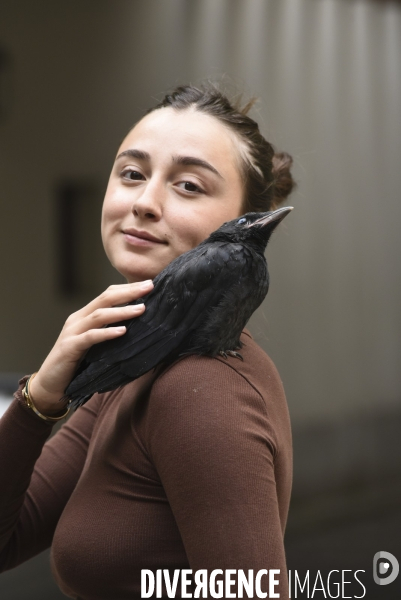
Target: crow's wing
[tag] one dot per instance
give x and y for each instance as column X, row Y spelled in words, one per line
column 183, row 293
column 226, row 320
column 185, row 288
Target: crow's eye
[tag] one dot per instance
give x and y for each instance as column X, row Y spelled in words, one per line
column 241, row 221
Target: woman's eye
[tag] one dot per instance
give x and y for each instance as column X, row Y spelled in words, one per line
column 132, row 175
column 188, row 186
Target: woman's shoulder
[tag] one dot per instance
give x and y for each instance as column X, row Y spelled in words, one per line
column 256, row 371
column 230, row 391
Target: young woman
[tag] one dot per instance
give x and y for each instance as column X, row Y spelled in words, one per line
column 190, row 469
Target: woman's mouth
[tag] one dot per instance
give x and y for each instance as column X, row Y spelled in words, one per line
column 136, row 237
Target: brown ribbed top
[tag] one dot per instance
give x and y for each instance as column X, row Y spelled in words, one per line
column 191, row 469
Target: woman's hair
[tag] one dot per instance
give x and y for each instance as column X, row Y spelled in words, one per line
column 266, row 174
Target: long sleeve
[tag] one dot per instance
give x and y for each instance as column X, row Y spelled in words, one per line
column 190, row 467
column 37, row 476
column 223, row 454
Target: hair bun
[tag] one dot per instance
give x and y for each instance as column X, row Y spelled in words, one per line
column 283, row 181
column 266, row 173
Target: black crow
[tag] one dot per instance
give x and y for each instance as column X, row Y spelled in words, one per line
column 200, row 304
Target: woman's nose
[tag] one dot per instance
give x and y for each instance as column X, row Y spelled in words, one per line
column 148, row 203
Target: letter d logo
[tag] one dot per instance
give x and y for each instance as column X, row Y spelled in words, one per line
column 385, row 563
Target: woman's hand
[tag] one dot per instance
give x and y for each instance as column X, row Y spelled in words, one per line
column 82, row 329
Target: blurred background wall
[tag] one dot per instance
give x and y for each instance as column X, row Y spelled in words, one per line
column 76, row 75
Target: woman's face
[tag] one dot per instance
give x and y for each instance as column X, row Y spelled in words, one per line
column 176, row 179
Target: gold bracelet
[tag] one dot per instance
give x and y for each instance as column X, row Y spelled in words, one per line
column 29, row 402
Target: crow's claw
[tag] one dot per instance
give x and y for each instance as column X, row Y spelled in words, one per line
column 228, row 353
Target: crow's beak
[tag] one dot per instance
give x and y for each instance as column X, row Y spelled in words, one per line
column 273, row 217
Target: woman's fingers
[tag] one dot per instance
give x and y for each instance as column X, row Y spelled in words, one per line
column 116, row 295
column 81, row 330
column 85, row 340
column 105, row 316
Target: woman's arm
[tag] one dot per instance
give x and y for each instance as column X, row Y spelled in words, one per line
column 37, row 477
column 218, row 451
column 35, row 485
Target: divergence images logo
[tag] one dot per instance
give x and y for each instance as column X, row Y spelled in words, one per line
column 385, row 564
